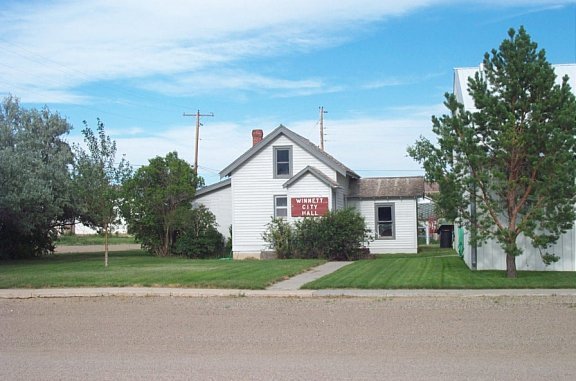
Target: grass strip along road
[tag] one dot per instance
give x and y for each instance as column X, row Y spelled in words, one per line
column 434, row 268
column 138, row 269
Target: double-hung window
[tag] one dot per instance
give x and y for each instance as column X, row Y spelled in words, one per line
column 282, row 162
column 385, row 226
column 280, row 206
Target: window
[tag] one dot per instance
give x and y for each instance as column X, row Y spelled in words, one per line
column 385, row 221
column 280, row 206
column 282, row 162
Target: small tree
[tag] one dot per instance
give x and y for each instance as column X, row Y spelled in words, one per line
column 98, row 180
column 515, row 155
column 155, row 198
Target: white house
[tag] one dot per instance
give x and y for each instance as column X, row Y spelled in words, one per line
column 490, row 255
column 285, row 175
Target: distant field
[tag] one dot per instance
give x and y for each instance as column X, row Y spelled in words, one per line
column 80, row 240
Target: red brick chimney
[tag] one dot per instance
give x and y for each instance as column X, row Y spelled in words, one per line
column 257, row 136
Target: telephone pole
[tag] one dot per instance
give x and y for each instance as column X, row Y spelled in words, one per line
column 198, row 115
column 322, row 112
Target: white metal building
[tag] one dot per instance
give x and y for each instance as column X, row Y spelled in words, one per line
column 285, row 175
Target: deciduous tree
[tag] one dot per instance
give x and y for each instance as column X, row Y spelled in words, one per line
column 154, row 199
column 98, row 179
column 34, row 179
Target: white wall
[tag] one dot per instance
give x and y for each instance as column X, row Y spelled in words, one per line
column 219, row 202
column 405, row 217
column 253, row 191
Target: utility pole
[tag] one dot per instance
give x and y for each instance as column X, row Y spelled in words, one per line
column 198, row 115
column 322, row 112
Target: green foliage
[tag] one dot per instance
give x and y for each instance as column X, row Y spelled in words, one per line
column 197, row 236
column 514, row 154
column 156, row 198
column 338, row 236
column 34, row 179
column 279, row 234
column 98, row 180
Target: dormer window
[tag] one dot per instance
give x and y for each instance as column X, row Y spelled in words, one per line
column 283, row 162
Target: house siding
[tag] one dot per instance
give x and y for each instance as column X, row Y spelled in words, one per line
column 219, row 202
column 405, row 220
column 253, row 191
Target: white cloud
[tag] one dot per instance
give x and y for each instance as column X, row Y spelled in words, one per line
column 60, row 45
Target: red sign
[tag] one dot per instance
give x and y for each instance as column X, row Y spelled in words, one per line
column 309, row 206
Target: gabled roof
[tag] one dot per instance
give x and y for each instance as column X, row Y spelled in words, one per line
column 387, row 187
column 213, row 187
column 304, row 143
column 314, row 172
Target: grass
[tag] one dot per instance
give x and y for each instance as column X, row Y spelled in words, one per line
column 136, row 268
column 93, row 239
column 434, row 268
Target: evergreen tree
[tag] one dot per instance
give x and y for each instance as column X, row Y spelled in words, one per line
column 514, row 154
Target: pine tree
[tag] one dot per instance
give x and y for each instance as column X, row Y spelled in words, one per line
column 514, row 152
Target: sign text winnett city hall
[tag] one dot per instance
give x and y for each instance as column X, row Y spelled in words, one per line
column 309, row 206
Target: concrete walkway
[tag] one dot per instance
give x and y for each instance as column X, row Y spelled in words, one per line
column 299, row 280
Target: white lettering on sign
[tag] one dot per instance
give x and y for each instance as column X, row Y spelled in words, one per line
column 309, row 206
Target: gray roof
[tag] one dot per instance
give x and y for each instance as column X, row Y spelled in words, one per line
column 213, row 187
column 387, row 187
column 304, row 143
column 314, row 172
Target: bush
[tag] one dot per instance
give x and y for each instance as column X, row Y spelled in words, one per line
column 338, row 236
column 197, row 236
column 279, row 235
column 209, row 244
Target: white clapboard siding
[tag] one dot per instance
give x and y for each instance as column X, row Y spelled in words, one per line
column 309, row 186
column 219, row 202
column 253, row 191
column 405, row 218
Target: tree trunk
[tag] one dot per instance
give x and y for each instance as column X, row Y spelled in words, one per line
column 106, row 245
column 511, row 266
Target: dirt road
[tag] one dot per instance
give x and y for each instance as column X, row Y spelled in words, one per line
column 119, row 338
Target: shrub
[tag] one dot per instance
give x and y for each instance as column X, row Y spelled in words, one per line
column 279, row 236
column 338, row 236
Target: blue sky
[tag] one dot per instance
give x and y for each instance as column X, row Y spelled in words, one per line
column 379, row 68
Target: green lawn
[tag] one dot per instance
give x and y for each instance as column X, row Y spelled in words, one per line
column 93, row 239
column 434, row 269
column 136, row 268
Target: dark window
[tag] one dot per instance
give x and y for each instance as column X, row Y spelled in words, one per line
column 280, row 206
column 385, row 221
column 282, row 162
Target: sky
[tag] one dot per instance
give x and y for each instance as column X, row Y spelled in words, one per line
column 379, row 69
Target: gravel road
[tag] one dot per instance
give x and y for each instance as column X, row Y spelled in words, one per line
column 244, row 338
